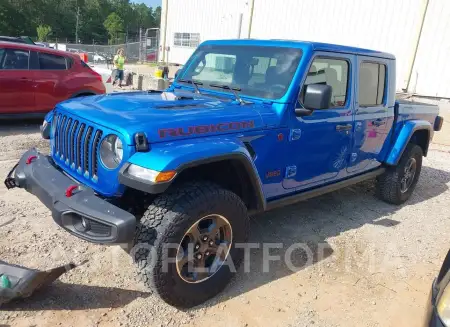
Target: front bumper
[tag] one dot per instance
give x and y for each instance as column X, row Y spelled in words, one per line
column 81, row 212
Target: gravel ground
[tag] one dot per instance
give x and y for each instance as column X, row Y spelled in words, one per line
column 373, row 262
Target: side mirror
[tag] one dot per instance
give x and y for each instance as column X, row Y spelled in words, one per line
column 317, row 96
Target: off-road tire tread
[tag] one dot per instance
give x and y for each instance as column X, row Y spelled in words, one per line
column 388, row 184
column 163, row 216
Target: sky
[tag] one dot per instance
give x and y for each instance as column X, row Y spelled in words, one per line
column 150, row 3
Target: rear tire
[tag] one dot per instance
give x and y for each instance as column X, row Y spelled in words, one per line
column 397, row 183
column 167, row 221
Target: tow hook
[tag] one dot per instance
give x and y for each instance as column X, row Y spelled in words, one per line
column 30, row 159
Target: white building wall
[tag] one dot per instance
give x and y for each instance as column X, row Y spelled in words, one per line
column 213, row 19
column 431, row 72
column 384, row 25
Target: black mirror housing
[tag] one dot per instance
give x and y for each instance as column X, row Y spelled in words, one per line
column 317, row 96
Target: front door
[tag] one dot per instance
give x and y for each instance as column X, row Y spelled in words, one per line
column 320, row 143
column 16, row 82
column 374, row 113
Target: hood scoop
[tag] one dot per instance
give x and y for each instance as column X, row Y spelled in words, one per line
column 175, row 101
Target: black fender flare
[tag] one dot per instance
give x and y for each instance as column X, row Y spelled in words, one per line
column 157, row 188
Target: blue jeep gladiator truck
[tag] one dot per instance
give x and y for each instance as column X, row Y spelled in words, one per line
column 246, row 126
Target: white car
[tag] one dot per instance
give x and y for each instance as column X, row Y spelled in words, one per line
column 98, row 58
column 106, row 76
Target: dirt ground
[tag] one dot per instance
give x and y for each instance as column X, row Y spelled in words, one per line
column 373, row 262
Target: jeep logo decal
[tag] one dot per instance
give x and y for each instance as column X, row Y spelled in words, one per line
column 202, row 129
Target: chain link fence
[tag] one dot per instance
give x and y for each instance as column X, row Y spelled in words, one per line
column 144, row 51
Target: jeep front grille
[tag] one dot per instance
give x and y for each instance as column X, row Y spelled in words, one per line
column 76, row 145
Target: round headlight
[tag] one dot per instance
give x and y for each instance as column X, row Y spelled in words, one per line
column 111, row 151
column 118, row 149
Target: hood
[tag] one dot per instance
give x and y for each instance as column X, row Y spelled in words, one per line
column 165, row 116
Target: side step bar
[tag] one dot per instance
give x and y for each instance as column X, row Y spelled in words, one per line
column 323, row 190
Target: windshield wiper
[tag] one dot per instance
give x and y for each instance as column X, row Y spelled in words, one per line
column 194, row 83
column 233, row 89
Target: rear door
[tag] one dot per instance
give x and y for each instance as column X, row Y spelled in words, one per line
column 16, row 82
column 374, row 112
column 50, row 77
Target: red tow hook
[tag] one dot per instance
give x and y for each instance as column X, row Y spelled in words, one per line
column 30, row 159
column 70, row 189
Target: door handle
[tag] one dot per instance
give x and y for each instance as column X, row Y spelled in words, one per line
column 346, row 127
column 378, row 122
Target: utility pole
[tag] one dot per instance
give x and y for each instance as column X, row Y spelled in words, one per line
column 140, row 44
column 76, row 25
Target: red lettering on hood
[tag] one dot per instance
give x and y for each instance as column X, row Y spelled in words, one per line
column 202, row 129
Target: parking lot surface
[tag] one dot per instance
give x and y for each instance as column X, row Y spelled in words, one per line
column 373, row 263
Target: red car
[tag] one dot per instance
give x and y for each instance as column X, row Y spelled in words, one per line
column 152, row 55
column 34, row 79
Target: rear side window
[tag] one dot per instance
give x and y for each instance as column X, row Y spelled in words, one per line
column 372, row 82
column 51, row 62
column 14, row 59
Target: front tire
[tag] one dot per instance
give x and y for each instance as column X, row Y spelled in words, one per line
column 180, row 221
column 397, row 183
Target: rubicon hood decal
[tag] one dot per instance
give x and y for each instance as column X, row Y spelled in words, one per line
column 140, row 113
column 203, row 129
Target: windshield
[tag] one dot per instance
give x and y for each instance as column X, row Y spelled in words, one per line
column 257, row 71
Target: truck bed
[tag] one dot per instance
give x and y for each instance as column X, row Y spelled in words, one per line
column 411, row 102
column 415, row 111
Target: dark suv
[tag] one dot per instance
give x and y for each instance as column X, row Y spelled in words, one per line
column 24, row 39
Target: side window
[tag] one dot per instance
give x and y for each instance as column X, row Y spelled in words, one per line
column 332, row 72
column 69, row 63
column 51, row 62
column 372, row 79
column 14, row 59
column 2, row 55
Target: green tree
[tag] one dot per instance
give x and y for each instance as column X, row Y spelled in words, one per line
column 10, row 20
column 22, row 17
column 157, row 16
column 142, row 17
column 114, row 26
column 43, row 31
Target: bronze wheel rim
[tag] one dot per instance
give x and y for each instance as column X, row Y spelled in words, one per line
column 204, row 248
column 408, row 176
